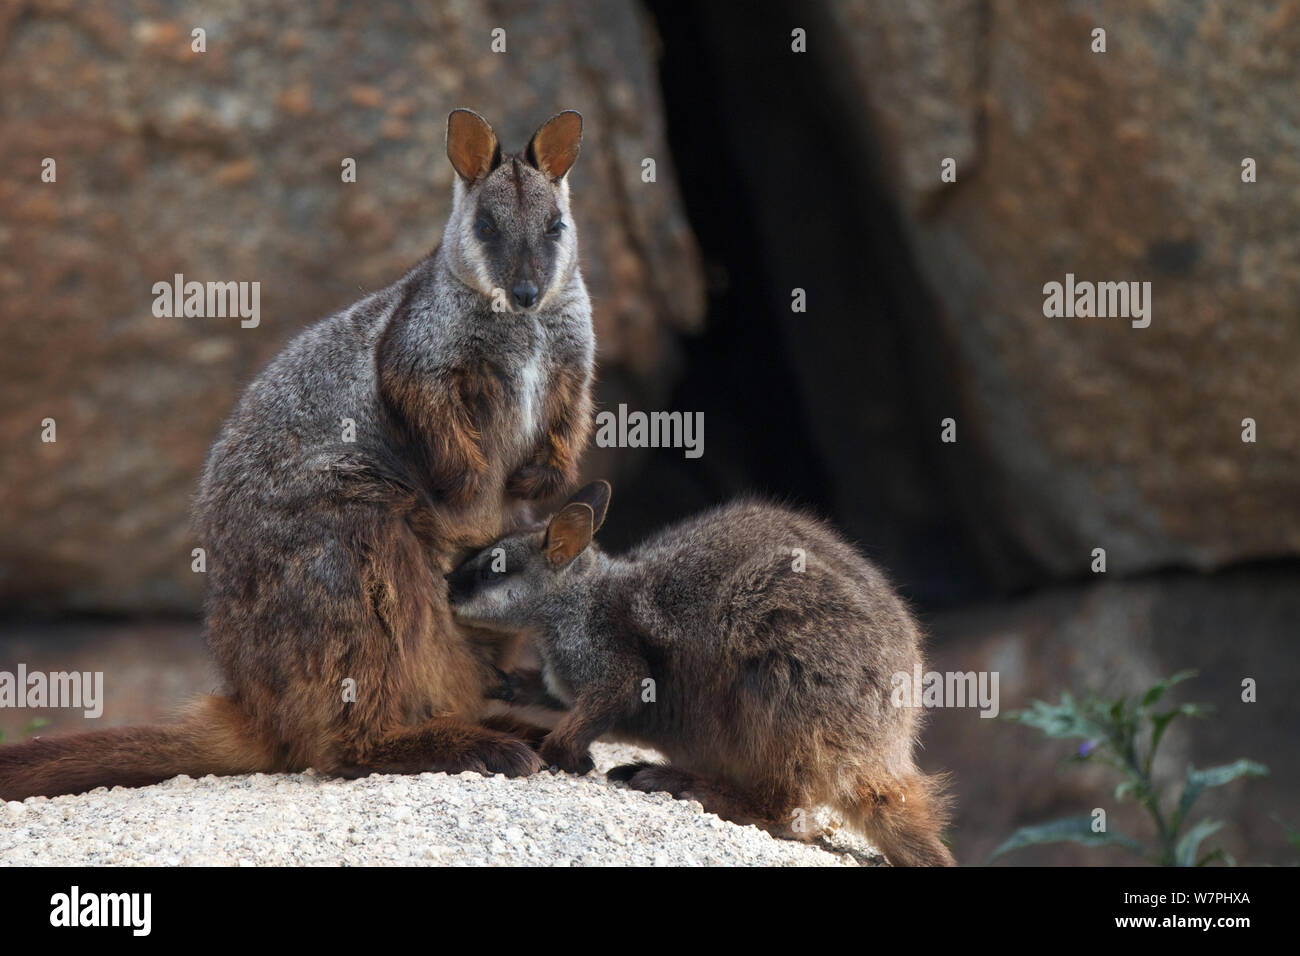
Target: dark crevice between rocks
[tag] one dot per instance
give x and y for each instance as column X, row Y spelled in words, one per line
column 837, row 409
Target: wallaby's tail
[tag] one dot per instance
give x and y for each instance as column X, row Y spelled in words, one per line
column 213, row 736
column 903, row 818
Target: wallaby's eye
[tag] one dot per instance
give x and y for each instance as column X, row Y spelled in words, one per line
column 484, row 229
column 555, row 228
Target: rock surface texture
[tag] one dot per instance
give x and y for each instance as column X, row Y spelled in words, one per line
column 1117, row 166
column 426, row 820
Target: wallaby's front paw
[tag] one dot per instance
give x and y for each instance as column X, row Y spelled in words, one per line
column 556, row 754
column 536, row 481
column 499, row 753
column 529, row 690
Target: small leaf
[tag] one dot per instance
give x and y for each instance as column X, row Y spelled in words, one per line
column 1199, row 780
column 1160, row 723
column 1059, row 720
column 1185, row 852
column 1124, row 788
column 1078, row 830
column 1158, row 689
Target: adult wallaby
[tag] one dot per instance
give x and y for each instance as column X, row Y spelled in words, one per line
column 356, row 469
column 750, row 644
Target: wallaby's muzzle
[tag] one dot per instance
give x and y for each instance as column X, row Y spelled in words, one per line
column 525, row 293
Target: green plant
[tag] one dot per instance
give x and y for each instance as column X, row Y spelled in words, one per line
column 1125, row 735
column 33, row 725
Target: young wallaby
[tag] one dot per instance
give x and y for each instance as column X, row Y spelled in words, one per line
column 355, row 471
column 750, row 644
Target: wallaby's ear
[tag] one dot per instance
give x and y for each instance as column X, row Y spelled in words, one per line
column 596, row 495
column 569, row 533
column 472, row 147
column 554, row 148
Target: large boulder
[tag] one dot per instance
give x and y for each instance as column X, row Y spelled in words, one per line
column 1127, row 165
column 226, row 165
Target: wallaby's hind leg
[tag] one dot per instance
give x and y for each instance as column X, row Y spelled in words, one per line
column 445, row 744
column 719, row 798
column 436, row 672
column 531, row 734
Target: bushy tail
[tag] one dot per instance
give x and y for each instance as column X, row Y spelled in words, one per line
column 903, row 818
column 214, row 736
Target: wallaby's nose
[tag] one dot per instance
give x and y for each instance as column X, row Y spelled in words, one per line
column 525, row 292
